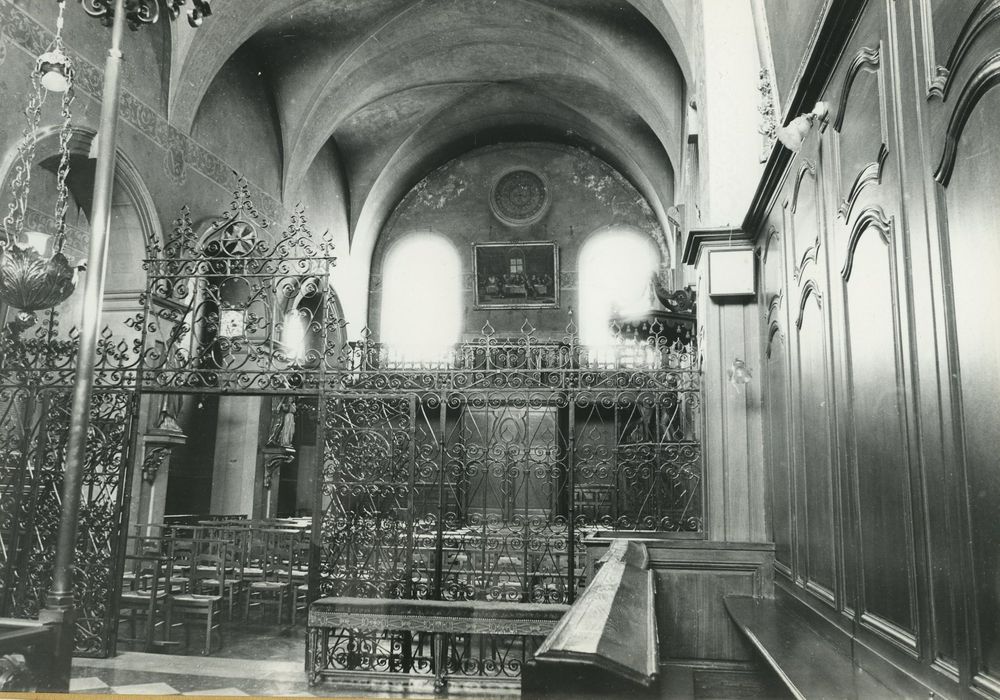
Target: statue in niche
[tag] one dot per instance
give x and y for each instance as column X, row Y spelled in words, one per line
column 283, row 428
column 170, row 410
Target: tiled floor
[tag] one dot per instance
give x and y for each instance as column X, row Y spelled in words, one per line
column 254, row 660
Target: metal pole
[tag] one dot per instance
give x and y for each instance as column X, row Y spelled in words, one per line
column 60, row 596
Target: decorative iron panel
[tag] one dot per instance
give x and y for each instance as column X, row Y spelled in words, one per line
column 240, row 308
column 36, row 370
column 477, row 477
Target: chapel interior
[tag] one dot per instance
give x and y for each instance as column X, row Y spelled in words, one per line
column 500, row 348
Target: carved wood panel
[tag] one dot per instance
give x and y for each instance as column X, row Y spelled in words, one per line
column 891, row 220
column 877, row 424
column 972, row 244
column 814, row 468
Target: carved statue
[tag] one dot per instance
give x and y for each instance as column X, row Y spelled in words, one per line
column 283, row 429
column 170, row 409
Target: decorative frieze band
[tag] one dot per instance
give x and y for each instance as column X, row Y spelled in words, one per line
column 180, row 150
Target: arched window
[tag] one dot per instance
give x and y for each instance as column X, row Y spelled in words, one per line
column 421, row 298
column 615, row 268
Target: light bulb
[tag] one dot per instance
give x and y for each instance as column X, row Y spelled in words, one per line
column 54, row 68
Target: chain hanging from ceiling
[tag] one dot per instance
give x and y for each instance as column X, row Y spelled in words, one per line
column 34, row 273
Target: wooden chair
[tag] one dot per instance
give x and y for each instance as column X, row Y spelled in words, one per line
column 143, row 598
column 275, row 580
column 229, row 586
column 198, row 607
column 300, row 575
column 181, row 554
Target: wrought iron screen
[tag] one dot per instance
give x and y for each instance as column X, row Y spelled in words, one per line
column 36, row 373
column 477, row 477
column 241, row 308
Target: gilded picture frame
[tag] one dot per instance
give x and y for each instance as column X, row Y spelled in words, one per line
column 516, row 275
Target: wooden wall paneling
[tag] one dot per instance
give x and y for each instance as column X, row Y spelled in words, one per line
column 949, row 28
column 969, row 173
column 814, row 456
column 903, row 184
column 872, row 313
column 923, row 124
column 797, row 503
column 877, row 435
column 963, row 138
column 774, row 405
column 692, row 581
column 892, row 319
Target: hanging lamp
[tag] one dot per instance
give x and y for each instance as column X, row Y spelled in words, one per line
column 34, row 273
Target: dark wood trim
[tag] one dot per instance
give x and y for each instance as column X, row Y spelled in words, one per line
column 986, row 12
column 698, row 237
column 810, row 289
column 865, row 59
column 985, row 77
column 872, row 217
column 833, row 35
column 870, row 174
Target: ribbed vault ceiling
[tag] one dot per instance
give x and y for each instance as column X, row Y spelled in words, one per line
column 394, row 88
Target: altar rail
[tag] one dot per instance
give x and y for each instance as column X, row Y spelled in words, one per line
column 382, row 643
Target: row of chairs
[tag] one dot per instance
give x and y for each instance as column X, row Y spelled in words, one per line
column 173, row 581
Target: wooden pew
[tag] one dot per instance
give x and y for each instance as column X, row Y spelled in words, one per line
column 809, row 663
column 606, row 645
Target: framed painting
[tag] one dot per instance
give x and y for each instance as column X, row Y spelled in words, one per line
column 516, row 275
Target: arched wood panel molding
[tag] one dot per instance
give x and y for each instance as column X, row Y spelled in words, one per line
column 870, row 174
column 773, row 331
column 866, row 59
column 811, row 255
column 870, row 218
column 811, row 289
column 986, row 13
column 807, row 167
column 772, row 234
column 870, row 60
column 985, row 77
column 774, row 304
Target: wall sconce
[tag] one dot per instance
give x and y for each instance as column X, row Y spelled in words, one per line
column 739, row 374
column 793, row 135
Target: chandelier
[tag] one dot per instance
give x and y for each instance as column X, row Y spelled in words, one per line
column 34, row 273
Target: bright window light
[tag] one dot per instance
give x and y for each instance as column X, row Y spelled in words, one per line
column 421, row 299
column 615, row 271
column 295, row 335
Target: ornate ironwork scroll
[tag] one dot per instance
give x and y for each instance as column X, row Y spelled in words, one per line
column 240, row 308
column 478, row 477
column 36, row 373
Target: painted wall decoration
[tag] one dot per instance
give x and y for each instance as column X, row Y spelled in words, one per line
column 516, row 275
column 519, row 197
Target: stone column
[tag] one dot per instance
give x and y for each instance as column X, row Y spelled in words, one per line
column 237, row 471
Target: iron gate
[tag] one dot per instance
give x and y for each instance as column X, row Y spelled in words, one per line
column 36, row 373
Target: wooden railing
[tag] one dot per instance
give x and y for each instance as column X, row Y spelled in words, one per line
column 606, row 645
